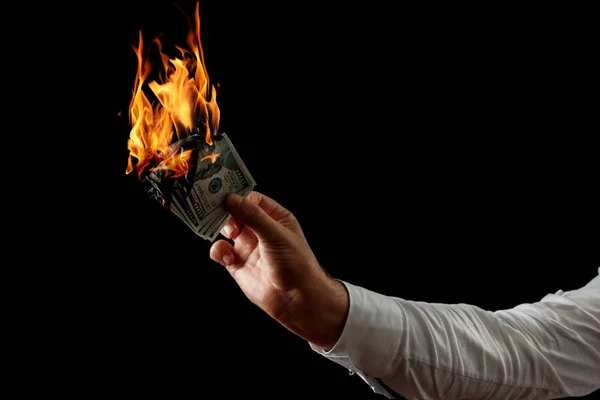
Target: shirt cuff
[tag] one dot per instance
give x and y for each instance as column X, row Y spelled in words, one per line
column 370, row 338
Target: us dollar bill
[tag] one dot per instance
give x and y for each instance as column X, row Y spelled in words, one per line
column 199, row 199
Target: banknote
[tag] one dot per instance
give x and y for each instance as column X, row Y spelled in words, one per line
column 219, row 171
column 198, row 197
column 211, row 230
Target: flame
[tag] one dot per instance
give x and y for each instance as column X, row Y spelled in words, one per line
column 212, row 157
column 185, row 102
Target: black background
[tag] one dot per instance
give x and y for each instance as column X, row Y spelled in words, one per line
column 431, row 152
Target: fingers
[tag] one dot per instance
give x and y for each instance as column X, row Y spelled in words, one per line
column 245, row 240
column 222, row 252
column 257, row 211
column 231, row 229
column 275, row 210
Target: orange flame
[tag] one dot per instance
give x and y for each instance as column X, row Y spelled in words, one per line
column 185, row 101
column 212, row 157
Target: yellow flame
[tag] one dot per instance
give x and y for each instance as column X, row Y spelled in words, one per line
column 185, row 101
column 212, row 157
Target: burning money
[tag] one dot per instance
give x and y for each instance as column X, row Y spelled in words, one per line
column 174, row 144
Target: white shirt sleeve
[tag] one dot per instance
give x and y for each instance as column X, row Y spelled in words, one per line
column 544, row 350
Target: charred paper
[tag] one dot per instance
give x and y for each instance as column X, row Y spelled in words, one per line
column 198, row 196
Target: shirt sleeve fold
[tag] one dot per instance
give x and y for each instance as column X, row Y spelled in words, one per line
column 543, row 350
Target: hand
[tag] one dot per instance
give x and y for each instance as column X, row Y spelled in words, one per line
column 274, row 266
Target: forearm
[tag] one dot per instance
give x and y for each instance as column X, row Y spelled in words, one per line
column 461, row 351
column 429, row 351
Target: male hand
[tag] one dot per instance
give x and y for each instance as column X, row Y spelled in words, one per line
column 273, row 264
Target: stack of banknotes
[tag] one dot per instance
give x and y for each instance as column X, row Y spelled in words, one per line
column 198, row 198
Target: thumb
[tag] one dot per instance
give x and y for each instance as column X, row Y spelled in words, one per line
column 253, row 216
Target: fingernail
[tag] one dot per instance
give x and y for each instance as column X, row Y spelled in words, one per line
column 227, row 230
column 227, row 259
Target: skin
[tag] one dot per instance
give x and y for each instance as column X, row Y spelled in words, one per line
column 269, row 258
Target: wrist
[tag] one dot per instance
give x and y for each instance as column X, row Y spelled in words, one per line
column 320, row 314
column 334, row 314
